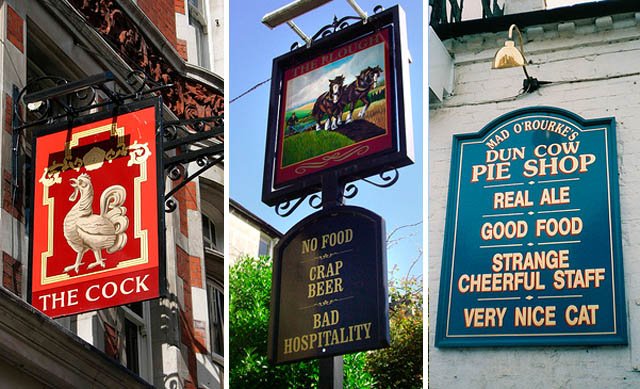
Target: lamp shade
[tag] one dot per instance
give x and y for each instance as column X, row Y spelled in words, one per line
column 508, row 57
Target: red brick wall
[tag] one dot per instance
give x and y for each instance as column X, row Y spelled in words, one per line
column 182, row 49
column 180, row 7
column 8, row 114
column 111, row 341
column 15, row 31
column 12, row 274
column 193, row 333
column 186, row 198
column 7, row 204
column 162, row 14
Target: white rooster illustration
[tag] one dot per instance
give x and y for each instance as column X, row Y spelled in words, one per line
column 86, row 231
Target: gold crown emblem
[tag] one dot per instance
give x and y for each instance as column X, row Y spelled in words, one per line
column 94, row 159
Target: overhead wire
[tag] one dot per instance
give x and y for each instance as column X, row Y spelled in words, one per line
column 256, row 86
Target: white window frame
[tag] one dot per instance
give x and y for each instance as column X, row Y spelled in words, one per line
column 144, row 338
column 266, row 238
column 212, row 240
column 216, row 286
column 199, row 15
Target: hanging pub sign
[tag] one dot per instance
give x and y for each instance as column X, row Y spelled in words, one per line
column 97, row 212
column 342, row 105
column 532, row 250
column 329, row 290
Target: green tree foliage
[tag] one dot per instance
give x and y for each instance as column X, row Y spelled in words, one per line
column 400, row 366
column 250, row 286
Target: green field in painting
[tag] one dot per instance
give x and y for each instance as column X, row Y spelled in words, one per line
column 310, row 144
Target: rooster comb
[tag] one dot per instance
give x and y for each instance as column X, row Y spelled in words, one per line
column 85, row 175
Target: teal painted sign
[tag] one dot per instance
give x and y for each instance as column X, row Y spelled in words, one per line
column 532, row 250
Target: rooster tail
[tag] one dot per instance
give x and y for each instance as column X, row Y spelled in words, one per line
column 111, row 208
column 112, row 198
column 121, row 241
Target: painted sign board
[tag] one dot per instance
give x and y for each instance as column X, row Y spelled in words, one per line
column 342, row 105
column 532, row 250
column 329, row 291
column 97, row 212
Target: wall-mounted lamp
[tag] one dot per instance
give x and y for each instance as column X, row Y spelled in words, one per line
column 510, row 56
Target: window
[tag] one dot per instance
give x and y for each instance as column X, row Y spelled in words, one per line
column 131, row 341
column 198, row 20
column 215, row 297
column 208, row 233
column 264, row 247
column 137, row 345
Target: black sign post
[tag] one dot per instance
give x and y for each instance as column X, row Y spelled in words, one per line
column 329, row 294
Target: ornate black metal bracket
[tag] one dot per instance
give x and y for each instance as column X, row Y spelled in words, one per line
column 490, row 8
column 388, row 178
column 49, row 98
column 336, row 25
column 349, row 191
column 288, row 207
column 194, row 140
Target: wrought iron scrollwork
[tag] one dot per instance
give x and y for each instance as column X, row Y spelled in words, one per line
column 50, row 98
column 287, row 208
column 388, row 178
column 193, row 140
column 170, row 205
column 176, row 172
column 196, row 139
column 336, row 25
column 350, row 191
column 443, row 14
column 40, row 110
column 315, row 201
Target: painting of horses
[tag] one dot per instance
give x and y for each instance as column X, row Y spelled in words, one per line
column 336, row 105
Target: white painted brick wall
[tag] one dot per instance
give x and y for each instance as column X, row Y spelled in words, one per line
column 587, row 54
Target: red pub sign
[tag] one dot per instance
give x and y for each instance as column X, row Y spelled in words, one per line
column 96, row 213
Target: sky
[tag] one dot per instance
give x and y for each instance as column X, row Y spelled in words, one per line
column 252, row 49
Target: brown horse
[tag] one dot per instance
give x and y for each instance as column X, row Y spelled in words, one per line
column 329, row 104
column 359, row 90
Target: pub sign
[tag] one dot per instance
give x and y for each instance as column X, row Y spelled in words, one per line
column 532, row 249
column 329, row 286
column 97, row 212
column 342, row 105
